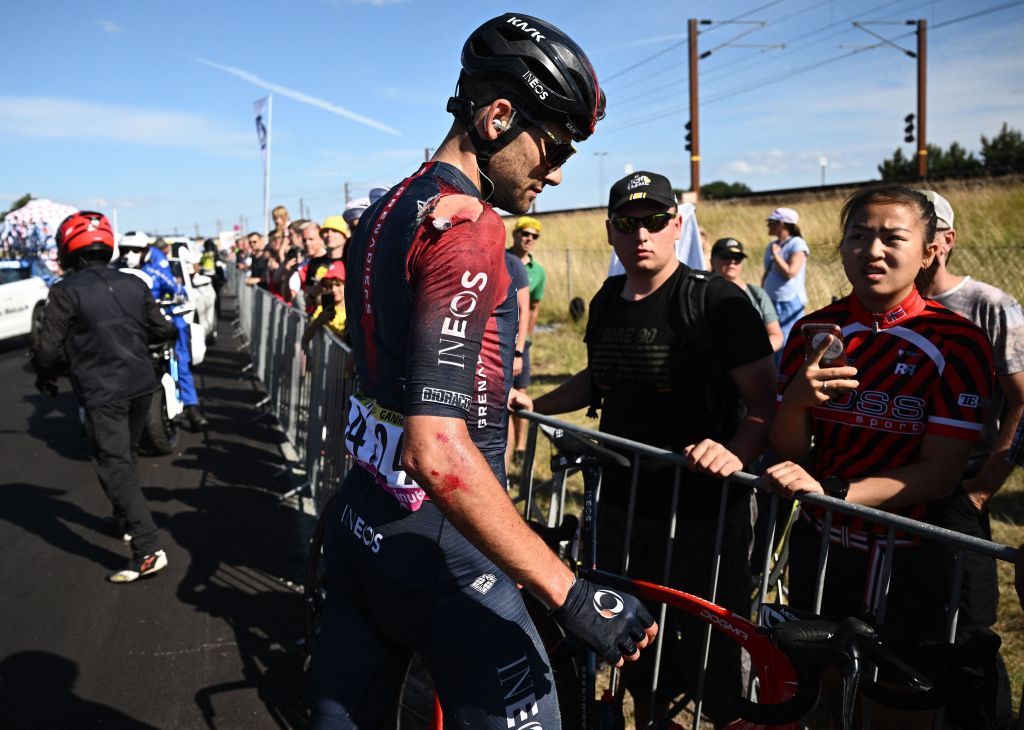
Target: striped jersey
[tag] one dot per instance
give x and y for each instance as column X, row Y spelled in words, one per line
column 921, row 368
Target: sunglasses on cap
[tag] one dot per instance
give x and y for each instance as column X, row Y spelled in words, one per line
column 653, row 223
column 556, row 152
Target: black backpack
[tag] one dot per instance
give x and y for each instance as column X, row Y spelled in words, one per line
column 722, row 401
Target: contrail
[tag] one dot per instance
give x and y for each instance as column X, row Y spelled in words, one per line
column 298, row 96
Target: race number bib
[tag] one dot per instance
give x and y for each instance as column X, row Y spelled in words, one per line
column 374, row 437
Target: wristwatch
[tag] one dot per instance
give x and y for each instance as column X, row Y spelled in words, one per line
column 518, row 353
column 836, row 486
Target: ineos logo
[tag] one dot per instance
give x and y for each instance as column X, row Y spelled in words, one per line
column 608, row 603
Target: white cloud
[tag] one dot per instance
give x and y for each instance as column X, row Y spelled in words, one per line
column 299, row 96
column 109, row 26
column 50, row 117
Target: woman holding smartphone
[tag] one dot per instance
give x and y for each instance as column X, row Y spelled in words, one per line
column 881, row 396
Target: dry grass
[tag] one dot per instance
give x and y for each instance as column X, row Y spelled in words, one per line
column 989, row 222
column 989, row 218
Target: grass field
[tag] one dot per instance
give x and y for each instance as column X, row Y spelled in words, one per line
column 989, row 221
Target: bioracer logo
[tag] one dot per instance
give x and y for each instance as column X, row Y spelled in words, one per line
column 525, row 27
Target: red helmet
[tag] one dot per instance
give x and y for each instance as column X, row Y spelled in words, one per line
column 85, row 230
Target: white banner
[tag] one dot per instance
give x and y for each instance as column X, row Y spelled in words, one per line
column 262, row 109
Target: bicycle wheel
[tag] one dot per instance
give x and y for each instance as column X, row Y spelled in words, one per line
column 314, row 584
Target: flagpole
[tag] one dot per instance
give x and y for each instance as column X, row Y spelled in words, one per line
column 266, row 172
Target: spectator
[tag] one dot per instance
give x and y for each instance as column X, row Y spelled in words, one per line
column 333, row 236
column 98, row 323
column 676, row 377
column 1000, row 317
column 354, row 211
column 281, row 220
column 689, row 246
column 727, row 258
column 894, row 432
column 330, row 312
column 521, row 283
column 258, row 268
column 785, row 267
column 524, row 237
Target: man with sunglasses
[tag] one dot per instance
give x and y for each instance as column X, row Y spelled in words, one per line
column 727, row 259
column 427, row 549
column 524, row 238
column 680, row 360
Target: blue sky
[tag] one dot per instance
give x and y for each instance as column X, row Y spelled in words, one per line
column 146, row 107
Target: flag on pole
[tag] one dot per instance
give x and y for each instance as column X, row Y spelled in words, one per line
column 262, row 108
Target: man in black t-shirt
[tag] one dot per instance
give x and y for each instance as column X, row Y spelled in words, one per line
column 697, row 380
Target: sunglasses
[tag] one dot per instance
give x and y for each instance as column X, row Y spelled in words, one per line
column 529, row 234
column 653, row 223
column 735, row 259
column 556, row 152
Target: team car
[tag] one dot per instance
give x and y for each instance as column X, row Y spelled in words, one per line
column 23, row 292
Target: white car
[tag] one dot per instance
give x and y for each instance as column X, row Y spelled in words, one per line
column 23, row 292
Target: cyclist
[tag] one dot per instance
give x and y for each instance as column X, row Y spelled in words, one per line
column 892, row 428
column 97, row 323
column 426, row 549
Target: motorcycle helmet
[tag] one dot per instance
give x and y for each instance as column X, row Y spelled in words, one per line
column 81, row 232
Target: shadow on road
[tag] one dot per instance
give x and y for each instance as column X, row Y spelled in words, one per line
column 37, row 689
column 241, row 557
column 44, row 512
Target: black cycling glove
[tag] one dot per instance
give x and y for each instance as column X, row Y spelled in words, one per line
column 611, row 623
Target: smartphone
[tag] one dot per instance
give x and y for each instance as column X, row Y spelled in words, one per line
column 814, row 333
column 327, row 300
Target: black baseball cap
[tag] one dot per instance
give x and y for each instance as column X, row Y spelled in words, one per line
column 641, row 186
column 727, row 247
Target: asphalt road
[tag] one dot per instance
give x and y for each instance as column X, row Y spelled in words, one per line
column 212, row 640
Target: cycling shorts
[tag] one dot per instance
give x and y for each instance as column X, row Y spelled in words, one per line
column 405, row 582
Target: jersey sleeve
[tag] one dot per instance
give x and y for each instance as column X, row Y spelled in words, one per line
column 456, row 270
column 736, row 327
column 961, row 404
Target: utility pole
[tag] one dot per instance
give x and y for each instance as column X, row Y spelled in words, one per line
column 426, row 153
column 347, row 196
column 219, row 226
column 302, row 209
column 922, row 97
column 197, row 230
column 694, row 111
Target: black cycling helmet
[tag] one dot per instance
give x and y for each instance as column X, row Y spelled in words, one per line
column 539, row 66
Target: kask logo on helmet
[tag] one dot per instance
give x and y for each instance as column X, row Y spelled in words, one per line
column 526, row 28
column 608, row 603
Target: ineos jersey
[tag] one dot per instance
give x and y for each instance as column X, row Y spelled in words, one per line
column 432, row 316
column 922, row 369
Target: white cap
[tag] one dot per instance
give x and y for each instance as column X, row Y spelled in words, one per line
column 943, row 209
column 785, row 215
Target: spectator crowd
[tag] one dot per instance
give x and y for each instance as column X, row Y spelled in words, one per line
column 902, row 396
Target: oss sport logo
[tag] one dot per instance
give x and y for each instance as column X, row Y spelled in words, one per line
column 608, row 603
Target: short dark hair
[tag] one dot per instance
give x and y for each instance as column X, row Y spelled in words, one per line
column 893, row 194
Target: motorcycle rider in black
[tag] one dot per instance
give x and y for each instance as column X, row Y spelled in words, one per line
column 96, row 328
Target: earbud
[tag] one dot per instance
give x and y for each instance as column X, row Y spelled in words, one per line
column 500, row 125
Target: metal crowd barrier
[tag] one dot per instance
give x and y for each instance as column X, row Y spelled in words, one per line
column 306, row 393
column 960, row 544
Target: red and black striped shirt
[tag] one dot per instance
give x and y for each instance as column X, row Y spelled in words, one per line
column 922, row 369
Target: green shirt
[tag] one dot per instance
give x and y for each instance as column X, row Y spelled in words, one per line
column 538, row 278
